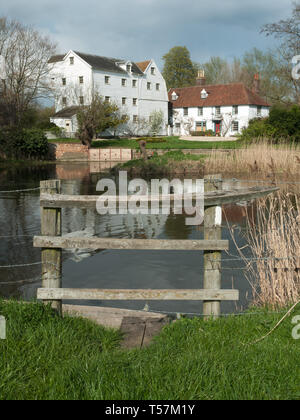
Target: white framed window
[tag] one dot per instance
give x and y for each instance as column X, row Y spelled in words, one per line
column 107, row 99
column 258, row 111
column 134, row 101
column 81, row 100
column 71, row 61
column 148, row 85
column 185, row 111
column 107, row 80
column 157, row 86
column 200, row 111
column 123, row 82
column 153, row 71
column 64, row 101
column 235, row 110
column 128, row 68
column 235, row 126
column 135, row 119
column 218, row 110
column 123, row 101
column 64, row 81
column 134, row 83
column 81, row 80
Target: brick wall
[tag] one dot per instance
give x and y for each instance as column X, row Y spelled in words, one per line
column 69, row 152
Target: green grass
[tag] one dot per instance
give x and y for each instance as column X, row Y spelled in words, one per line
column 64, row 141
column 45, row 357
column 171, row 143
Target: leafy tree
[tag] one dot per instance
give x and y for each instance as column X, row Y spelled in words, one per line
column 179, row 70
column 97, row 117
column 156, row 121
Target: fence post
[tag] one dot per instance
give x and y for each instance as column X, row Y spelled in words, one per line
column 51, row 258
column 212, row 230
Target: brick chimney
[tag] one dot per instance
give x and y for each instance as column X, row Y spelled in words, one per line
column 201, row 80
column 256, row 84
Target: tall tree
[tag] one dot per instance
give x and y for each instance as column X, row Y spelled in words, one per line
column 25, row 54
column 179, row 70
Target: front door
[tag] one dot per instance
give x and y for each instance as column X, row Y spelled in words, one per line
column 68, row 126
column 217, row 128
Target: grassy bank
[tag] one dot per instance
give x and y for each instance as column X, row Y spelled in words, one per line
column 45, row 357
column 262, row 160
column 175, row 162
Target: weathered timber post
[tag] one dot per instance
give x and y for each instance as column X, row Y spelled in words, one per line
column 212, row 259
column 51, row 258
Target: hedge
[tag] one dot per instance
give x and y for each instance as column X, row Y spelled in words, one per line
column 23, row 144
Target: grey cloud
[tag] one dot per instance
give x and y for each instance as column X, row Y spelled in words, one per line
column 143, row 29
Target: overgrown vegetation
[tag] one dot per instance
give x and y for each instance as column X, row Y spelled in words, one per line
column 175, row 162
column 260, row 159
column 45, row 357
column 274, row 241
column 23, row 144
column 282, row 124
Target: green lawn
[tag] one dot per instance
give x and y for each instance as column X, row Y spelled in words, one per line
column 45, row 357
column 171, row 143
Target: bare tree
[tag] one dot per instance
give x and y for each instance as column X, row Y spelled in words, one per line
column 26, row 54
column 288, row 31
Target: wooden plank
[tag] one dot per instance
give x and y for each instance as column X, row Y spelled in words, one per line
column 213, row 198
column 138, row 244
column 137, row 294
column 51, row 258
column 212, row 231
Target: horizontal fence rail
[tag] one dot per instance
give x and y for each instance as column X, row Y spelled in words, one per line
column 212, row 198
column 137, row 294
column 139, row 244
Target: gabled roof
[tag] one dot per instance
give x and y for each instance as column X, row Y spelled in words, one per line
column 66, row 112
column 98, row 62
column 218, row 95
column 57, row 58
column 143, row 65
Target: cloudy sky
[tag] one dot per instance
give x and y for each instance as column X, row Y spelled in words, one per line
column 143, row 29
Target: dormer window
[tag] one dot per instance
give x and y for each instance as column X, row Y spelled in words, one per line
column 204, row 94
column 128, row 68
column 174, row 96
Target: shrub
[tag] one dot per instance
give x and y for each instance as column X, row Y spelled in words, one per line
column 23, row 144
column 198, row 133
column 281, row 123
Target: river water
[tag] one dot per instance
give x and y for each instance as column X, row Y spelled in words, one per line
column 20, row 221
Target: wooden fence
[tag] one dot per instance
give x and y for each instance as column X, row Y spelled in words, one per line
column 52, row 242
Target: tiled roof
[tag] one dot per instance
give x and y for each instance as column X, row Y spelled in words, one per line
column 100, row 63
column 218, row 95
column 66, row 112
column 143, row 65
column 56, row 58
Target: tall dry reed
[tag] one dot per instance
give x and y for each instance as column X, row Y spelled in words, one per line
column 263, row 159
column 274, row 240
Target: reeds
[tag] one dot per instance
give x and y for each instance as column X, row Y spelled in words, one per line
column 263, row 159
column 274, row 240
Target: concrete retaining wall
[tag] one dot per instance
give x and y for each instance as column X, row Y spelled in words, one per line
column 76, row 152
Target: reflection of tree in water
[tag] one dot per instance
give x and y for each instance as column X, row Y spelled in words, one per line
column 176, row 228
column 20, row 220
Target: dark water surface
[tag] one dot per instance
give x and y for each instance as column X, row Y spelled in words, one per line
column 20, row 221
